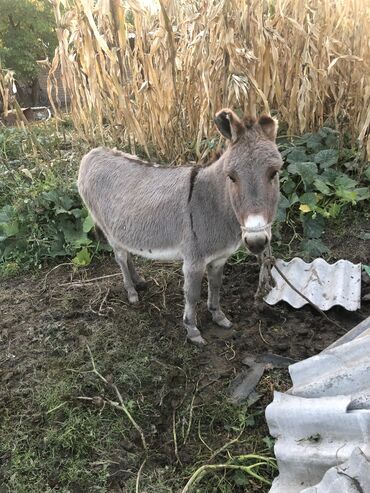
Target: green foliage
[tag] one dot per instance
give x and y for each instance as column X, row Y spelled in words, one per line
column 46, row 223
column 26, row 35
column 367, row 173
column 315, row 187
column 41, row 213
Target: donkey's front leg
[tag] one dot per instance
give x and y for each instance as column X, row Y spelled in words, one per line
column 193, row 275
column 214, row 273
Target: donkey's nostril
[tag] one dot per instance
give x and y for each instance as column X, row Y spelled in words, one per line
column 257, row 245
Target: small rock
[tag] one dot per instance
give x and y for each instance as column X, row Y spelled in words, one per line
column 245, row 383
column 282, row 346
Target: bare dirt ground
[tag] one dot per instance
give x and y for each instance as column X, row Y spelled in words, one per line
column 52, row 440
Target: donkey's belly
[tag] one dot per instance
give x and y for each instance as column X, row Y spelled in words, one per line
column 224, row 252
column 165, row 254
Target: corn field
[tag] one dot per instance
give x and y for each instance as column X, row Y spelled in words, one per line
column 154, row 74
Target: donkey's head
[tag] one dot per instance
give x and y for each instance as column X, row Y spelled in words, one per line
column 252, row 165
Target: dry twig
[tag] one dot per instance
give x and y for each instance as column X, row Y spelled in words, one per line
column 203, row 470
column 118, row 405
column 87, row 281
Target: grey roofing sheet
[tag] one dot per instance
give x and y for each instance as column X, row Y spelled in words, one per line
column 325, row 416
column 324, row 284
column 353, row 476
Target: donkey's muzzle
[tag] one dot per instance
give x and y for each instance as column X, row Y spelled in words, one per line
column 256, row 243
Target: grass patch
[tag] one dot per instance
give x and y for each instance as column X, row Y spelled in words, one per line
column 54, row 441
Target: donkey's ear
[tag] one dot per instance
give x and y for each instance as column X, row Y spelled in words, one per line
column 229, row 124
column 269, row 126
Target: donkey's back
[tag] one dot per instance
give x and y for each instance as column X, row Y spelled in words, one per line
column 139, row 207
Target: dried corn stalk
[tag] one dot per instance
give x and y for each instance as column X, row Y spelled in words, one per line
column 6, row 90
column 10, row 109
column 155, row 77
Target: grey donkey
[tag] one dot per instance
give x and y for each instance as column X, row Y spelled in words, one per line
column 200, row 215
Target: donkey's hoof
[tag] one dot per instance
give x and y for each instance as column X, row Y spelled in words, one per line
column 194, row 335
column 224, row 323
column 220, row 319
column 133, row 297
column 198, row 340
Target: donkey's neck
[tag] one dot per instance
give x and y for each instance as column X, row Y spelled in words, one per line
column 213, row 175
column 210, row 190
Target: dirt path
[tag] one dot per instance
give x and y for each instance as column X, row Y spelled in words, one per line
column 176, row 392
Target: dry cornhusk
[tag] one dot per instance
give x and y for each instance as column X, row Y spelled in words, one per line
column 305, row 60
column 9, row 104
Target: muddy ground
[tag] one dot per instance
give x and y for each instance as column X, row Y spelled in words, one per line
column 60, row 433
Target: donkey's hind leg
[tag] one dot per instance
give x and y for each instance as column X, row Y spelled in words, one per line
column 139, row 282
column 214, row 273
column 121, row 257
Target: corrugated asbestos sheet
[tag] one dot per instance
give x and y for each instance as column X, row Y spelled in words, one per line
column 324, row 284
column 324, row 417
column 353, row 476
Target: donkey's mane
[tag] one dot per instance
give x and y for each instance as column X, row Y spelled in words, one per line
column 132, row 157
column 215, row 156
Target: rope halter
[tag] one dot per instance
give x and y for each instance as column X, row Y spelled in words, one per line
column 258, row 229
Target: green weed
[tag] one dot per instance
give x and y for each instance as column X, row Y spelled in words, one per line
column 41, row 214
column 317, row 183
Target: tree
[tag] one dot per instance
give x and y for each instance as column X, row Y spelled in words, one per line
column 27, row 34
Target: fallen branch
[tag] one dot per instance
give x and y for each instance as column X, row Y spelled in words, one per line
column 203, row 470
column 81, row 283
column 226, row 446
column 50, row 271
column 175, row 436
column 190, row 415
column 138, row 476
column 118, row 405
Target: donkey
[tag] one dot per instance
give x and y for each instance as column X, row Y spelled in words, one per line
column 200, row 215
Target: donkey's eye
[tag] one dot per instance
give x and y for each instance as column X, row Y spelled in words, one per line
column 233, row 177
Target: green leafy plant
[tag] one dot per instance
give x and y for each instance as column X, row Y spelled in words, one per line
column 51, row 222
column 315, row 186
column 41, row 213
